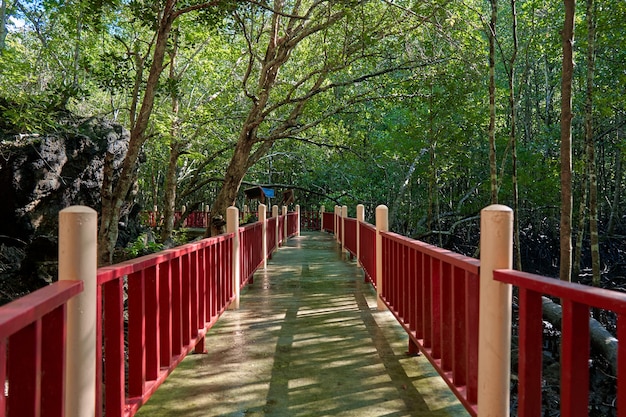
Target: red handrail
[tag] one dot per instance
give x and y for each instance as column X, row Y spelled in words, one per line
column 174, row 297
column 576, row 300
column 434, row 294
column 33, row 374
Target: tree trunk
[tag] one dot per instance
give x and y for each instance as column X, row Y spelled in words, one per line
column 393, row 212
column 615, row 211
column 566, row 142
column 589, row 139
column 235, row 172
column 112, row 203
column 169, row 204
column 602, row 341
column 3, row 24
column 493, row 169
column 580, row 236
column 513, row 138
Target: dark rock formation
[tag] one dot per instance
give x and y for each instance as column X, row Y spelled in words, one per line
column 39, row 176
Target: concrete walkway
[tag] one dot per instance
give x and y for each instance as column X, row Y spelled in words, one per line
column 307, row 341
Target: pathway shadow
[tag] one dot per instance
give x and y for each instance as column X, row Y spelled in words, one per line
column 307, row 341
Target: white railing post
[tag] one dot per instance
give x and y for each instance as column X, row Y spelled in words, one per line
column 284, row 231
column 344, row 214
column 78, row 260
column 277, row 229
column 262, row 213
column 382, row 225
column 322, row 210
column 232, row 226
column 297, row 219
column 494, row 329
column 360, row 218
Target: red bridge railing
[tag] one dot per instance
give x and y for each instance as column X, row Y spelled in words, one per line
column 151, row 312
column 435, row 295
column 32, row 351
column 576, row 301
column 174, row 297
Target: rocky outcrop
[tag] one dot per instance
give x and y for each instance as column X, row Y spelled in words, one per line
column 40, row 175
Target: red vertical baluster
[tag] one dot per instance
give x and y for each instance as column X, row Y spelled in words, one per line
column 207, row 283
column 411, row 290
column 153, row 355
column 54, row 333
column 459, row 341
column 472, row 300
column 201, row 289
column 530, row 353
column 446, row 317
column 165, row 313
column 574, row 359
column 193, row 294
column 186, row 298
column 177, row 306
column 427, row 297
column 621, row 366
column 435, row 299
column 136, row 335
column 3, row 375
column 113, row 335
column 24, row 367
column 419, row 294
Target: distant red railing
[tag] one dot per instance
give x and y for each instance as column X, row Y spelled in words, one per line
column 310, row 220
column 350, row 226
column 576, row 301
column 270, row 237
column 292, row 224
column 32, row 351
column 281, row 228
column 250, row 239
column 434, row 295
column 367, row 249
column 329, row 222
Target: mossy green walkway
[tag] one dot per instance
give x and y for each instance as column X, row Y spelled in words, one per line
column 307, row 341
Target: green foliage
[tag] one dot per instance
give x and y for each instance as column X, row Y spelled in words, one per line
column 413, row 137
column 143, row 245
column 30, row 114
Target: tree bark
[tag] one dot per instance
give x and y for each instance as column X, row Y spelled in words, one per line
column 3, row 24
column 615, row 211
column 169, row 203
column 580, row 236
column 235, row 172
column 112, row 204
column 493, row 168
column 590, row 145
column 513, row 138
column 566, row 142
